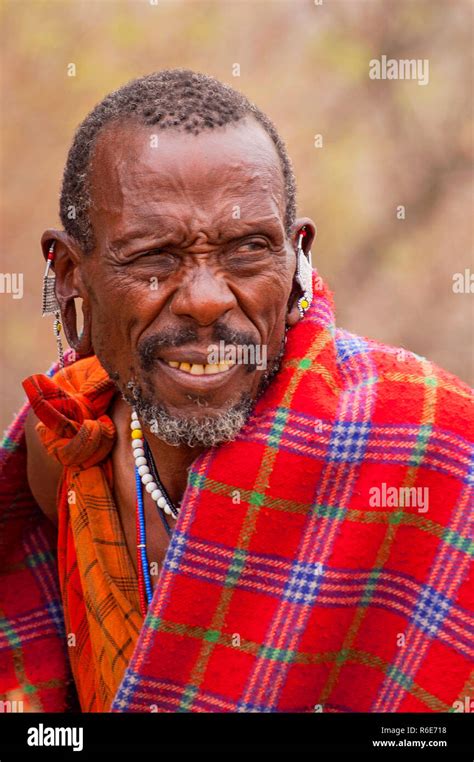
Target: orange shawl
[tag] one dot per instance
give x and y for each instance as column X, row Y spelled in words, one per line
column 93, row 557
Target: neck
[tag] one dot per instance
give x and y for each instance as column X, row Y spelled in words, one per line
column 172, row 463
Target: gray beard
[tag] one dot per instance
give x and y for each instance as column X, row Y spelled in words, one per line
column 205, row 431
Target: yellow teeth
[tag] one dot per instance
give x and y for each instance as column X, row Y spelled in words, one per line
column 195, row 369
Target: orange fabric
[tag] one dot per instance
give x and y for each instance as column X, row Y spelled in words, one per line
column 93, row 556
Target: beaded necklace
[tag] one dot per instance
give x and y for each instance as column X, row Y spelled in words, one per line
column 146, row 475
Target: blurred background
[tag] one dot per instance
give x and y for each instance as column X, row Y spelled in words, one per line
column 383, row 144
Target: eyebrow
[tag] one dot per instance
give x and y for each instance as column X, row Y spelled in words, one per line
column 262, row 227
column 134, row 235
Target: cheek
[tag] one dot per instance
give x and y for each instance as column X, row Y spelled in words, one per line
column 120, row 286
column 266, row 304
column 121, row 303
column 122, row 307
column 113, row 317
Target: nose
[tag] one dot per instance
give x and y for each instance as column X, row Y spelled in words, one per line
column 203, row 296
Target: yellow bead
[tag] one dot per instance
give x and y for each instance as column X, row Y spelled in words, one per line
column 304, row 304
column 59, row 327
column 136, row 434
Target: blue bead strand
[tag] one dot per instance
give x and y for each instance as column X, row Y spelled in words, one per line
column 142, row 532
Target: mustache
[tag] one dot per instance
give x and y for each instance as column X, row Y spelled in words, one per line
column 148, row 349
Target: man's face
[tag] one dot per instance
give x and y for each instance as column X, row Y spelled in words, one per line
column 190, row 251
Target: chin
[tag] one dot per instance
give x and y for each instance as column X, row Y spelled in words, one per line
column 202, row 427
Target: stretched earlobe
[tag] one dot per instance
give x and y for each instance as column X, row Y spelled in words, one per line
column 82, row 344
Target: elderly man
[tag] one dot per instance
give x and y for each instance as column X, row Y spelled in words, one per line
column 255, row 511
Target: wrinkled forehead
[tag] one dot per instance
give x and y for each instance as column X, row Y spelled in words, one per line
column 139, row 173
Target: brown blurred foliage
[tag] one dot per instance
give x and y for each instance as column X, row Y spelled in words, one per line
column 385, row 144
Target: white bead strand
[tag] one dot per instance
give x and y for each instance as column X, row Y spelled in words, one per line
column 143, row 469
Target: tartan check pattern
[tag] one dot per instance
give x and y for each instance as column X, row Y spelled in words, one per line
column 282, row 587
column 431, row 609
column 348, row 442
column 303, row 583
column 33, row 654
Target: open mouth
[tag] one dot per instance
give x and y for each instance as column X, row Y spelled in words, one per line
column 198, row 377
column 198, row 369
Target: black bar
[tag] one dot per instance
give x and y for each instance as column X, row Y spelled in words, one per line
column 106, row 735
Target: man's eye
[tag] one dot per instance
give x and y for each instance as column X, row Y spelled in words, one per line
column 158, row 256
column 153, row 253
column 251, row 246
column 247, row 258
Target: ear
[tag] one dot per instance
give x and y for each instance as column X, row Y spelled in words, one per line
column 69, row 286
column 67, row 257
column 302, row 224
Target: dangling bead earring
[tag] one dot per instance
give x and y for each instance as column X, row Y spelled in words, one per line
column 50, row 302
column 304, row 275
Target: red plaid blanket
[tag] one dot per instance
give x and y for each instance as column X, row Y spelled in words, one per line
column 320, row 561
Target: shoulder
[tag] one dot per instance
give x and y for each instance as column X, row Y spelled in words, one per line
column 43, row 471
column 403, row 387
column 80, row 376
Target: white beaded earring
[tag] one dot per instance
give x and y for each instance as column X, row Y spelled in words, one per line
column 304, row 274
column 50, row 304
